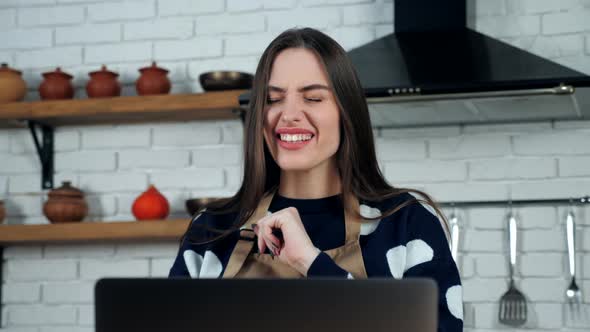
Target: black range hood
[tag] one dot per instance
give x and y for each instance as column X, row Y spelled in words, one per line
column 433, row 52
column 434, row 70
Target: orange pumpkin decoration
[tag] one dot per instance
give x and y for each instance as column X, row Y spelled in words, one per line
column 150, row 205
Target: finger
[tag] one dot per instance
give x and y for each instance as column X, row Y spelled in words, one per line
column 269, row 233
column 264, row 233
column 271, row 247
column 261, row 244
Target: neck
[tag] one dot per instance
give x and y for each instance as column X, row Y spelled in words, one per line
column 318, row 182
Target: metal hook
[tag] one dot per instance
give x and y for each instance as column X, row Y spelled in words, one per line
column 571, row 206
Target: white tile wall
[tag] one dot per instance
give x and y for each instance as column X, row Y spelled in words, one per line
column 49, row 288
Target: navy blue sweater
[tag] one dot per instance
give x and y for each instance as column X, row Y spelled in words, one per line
column 409, row 243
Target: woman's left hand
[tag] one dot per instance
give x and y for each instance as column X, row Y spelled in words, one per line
column 296, row 248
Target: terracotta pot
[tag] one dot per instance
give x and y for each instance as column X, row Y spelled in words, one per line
column 2, row 211
column 12, row 85
column 103, row 83
column 65, row 204
column 153, row 81
column 150, row 205
column 56, row 85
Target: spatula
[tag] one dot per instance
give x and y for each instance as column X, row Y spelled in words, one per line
column 513, row 308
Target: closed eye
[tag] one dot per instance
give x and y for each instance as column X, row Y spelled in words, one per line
column 313, row 100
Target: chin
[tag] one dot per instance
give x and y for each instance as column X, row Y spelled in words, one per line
column 294, row 164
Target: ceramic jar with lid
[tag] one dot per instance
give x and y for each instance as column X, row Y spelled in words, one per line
column 103, row 83
column 153, row 81
column 12, row 86
column 65, row 204
column 56, row 85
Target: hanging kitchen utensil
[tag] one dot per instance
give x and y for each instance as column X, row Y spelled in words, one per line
column 573, row 293
column 513, row 308
column 454, row 221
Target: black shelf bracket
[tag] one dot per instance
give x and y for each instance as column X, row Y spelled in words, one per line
column 45, row 151
column 241, row 113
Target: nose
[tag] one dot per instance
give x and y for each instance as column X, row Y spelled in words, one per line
column 292, row 110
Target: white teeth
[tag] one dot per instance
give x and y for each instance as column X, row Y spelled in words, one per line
column 295, row 138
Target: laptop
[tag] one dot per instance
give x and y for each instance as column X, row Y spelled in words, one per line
column 265, row 305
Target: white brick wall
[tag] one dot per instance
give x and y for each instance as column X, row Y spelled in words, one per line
column 89, row 33
column 202, row 47
column 542, row 265
column 92, row 269
column 41, row 315
column 29, row 17
column 161, row 29
column 22, row 184
column 188, row 7
column 469, row 147
column 7, row 19
column 230, row 23
column 193, row 178
column 24, row 39
column 153, row 159
column 41, row 270
column 575, row 21
column 109, row 53
column 85, row 161
column 128, row 10
column 319, row 18
column 497, row 169
column 406, row 171
column 68, row 292
column 216, row 155
column 124, row 136
column 49, row 288
column 65, row 56
column 21, row 292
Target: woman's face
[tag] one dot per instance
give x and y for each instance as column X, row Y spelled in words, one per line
column 301, row 117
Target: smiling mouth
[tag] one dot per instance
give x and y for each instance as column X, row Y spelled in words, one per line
column 295, row 138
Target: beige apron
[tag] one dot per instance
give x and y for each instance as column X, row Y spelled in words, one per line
column 243, row 263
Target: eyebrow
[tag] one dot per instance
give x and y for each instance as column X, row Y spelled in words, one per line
column 302, row 89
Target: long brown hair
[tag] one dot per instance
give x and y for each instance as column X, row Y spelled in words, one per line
column 356, row 158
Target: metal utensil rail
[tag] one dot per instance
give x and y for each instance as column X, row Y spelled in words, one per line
column 550, row 201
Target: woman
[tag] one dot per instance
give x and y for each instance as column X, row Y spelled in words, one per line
column 313, row 201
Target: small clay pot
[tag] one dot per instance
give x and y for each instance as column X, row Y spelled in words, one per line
column 103, row 83
column 12, row 86
column 65, row 204
column 153, row 81
column 2, row 211
column 56, row 85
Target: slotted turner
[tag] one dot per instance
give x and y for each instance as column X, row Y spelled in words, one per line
column 513, row 309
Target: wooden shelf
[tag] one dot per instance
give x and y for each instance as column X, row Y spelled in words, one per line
column 84, row 232
column 133, row 109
